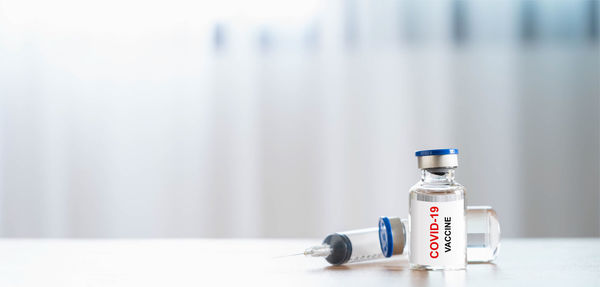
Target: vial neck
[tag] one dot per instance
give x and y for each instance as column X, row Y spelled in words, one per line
column 438, row 176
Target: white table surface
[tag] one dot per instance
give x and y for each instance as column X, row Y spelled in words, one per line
column 235, row 262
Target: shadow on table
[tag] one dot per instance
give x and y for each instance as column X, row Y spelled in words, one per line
column 400, row 270
column 395, row 268
column 393, row 265
column 386, row 264
column 399, row 265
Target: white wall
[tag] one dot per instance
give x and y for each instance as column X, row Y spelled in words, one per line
column 177, row 118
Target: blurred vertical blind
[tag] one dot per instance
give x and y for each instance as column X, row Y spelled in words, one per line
column 292, row 118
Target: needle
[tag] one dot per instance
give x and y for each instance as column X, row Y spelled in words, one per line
column 289, row 255
column 316, row 251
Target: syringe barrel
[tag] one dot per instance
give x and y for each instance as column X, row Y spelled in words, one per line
column 483, row 239
column 353, row 246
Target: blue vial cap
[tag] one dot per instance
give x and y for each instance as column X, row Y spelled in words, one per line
column 386, row 241
column 436, row 152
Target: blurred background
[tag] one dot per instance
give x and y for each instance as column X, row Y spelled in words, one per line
column 296, row 118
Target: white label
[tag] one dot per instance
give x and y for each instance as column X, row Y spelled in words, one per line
column 438, row 233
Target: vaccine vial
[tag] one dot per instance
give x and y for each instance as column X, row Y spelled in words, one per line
column 437, row 225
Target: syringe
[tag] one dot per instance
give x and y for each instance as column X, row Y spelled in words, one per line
column 483, row 239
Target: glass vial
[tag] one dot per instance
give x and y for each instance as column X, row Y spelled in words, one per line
column 483, row 234
column 437, row 225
